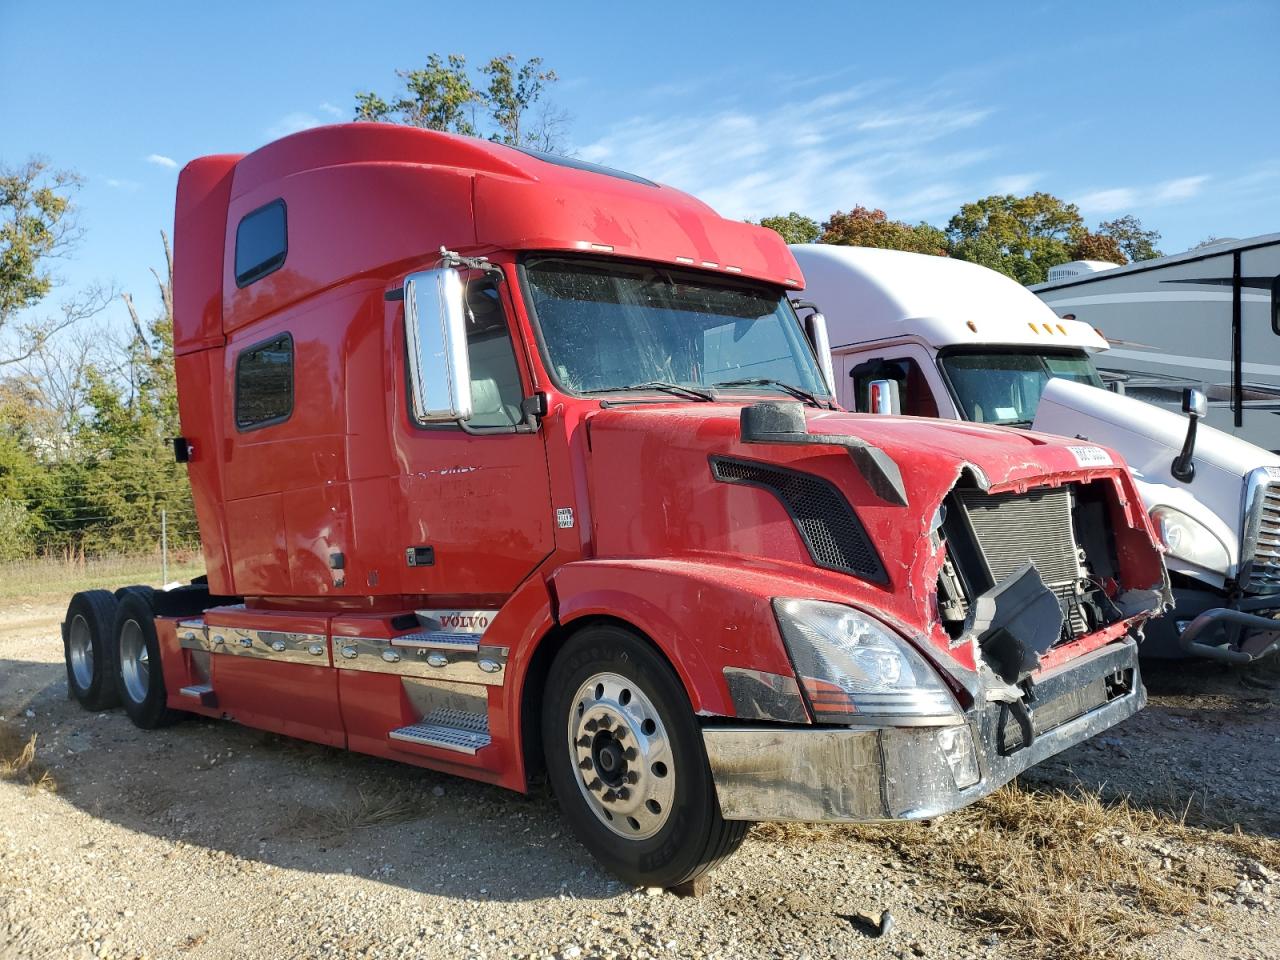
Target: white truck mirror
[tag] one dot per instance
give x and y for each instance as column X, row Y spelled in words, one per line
column 883, row 397
column 435, row 330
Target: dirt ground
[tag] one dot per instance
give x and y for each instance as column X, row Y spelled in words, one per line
column 209, row 840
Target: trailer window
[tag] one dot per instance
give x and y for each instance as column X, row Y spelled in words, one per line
column 261, row 243
column 264, row 383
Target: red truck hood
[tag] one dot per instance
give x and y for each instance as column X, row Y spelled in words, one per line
column 653, row 494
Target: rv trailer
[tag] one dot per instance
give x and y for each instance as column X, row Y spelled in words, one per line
column 1207, row 318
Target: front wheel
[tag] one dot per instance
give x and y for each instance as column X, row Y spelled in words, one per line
column 626, row 761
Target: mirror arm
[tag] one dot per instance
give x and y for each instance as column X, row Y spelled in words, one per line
column 450, row 258
column 1184, row 468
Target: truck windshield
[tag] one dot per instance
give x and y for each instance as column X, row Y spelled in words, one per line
column 1005, row 388
column 614, row 327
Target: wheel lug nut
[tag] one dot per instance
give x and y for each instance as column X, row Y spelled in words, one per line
column 595, row 784
column 633, row 777
column 586, row 763
column 584, row 741
column 630, row 753
column 605, row 723
column 591, row 725
column 609, row 796
column 623, row 793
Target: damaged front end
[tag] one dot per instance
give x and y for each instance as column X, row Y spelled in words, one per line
column 1040, row 593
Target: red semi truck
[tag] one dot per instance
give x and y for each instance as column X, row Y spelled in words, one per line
column 508, row 465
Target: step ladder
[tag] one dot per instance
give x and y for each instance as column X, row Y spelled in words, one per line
column 202, row 693
column 447, row 729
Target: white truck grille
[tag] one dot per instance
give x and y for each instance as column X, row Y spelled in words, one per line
column 1262, row 540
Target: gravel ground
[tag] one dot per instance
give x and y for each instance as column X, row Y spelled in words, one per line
column 209, row 840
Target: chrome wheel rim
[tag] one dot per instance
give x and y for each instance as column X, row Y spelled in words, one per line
column 622, row 755
column 80, row 649
column 135, row 664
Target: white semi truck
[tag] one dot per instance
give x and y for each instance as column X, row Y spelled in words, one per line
column 934, row 337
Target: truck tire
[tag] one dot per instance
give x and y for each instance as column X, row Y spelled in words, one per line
column 138, row 675
column 89, row 649
column 625, row 758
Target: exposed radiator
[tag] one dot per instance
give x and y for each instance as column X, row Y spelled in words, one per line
column 1013, row 528
column 1263, row 544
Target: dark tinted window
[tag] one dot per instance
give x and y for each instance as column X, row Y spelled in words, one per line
column 261, row 243
column 264, row 383
column 914, row 394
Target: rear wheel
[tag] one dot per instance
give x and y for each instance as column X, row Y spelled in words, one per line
column 625, row 759
column 88, row 646
column 139, row 677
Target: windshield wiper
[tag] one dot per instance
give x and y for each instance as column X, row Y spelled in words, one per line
column 787, row 388
column 676, row 389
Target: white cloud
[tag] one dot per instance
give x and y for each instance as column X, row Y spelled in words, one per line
column 292, row 123
column 117, row 183
column 1126, row 199
column 160, row 160
column 336, row 112
column 812, row 155
column 1015, row 182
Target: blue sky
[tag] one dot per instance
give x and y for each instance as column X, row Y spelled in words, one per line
column 1164, row 110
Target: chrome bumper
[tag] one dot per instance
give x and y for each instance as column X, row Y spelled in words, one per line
column 900, row 773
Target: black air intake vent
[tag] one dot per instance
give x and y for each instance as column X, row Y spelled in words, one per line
column 825, row 520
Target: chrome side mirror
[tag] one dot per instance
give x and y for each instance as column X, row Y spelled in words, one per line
column 435, row 331
column 1194, row 403
column 1195, row 406
column 815, row 328
column 883, row 397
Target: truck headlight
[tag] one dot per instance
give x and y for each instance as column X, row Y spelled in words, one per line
column 854, row 669
column 1188, row 539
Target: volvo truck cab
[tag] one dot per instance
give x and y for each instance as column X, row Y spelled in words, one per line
column 512, row 466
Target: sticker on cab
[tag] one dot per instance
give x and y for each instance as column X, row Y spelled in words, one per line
column 1091, row 456
column 1273, row 473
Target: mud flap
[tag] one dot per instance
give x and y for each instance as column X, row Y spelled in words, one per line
column 1015, row 622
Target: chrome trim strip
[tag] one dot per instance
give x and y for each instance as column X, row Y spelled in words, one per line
column 449, row 661
column 286, row 646
column 1260, row 540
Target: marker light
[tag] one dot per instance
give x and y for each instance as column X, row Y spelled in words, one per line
column 854, row 669
column 971, row 325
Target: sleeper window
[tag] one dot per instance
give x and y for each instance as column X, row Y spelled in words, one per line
column 261, row 243
column 264, row 383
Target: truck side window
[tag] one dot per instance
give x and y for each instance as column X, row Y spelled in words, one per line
column 495, row 381
column 913, row 389
column 264, row 383
column 262, row 241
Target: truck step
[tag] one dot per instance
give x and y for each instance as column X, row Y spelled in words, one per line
column 456, row 730
column 202, row 692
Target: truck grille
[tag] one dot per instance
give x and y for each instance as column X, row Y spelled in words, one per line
column 1013, row 528
column 1263, row 539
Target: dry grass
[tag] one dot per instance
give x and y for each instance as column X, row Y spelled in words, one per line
column 370, row 808
column 18, row 761
column 1059, row 875
column 49, row 578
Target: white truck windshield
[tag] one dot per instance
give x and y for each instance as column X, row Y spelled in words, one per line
column 613, row 327
column 1005, row 388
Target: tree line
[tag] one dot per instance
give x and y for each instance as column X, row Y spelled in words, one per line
column 1021, row 237
column 86, row 414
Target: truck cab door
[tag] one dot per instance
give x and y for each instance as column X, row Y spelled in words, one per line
column 476, row 498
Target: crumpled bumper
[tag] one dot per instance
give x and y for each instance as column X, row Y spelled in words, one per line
column 891, row 773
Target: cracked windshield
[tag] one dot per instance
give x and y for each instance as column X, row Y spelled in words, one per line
column 619, row 327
